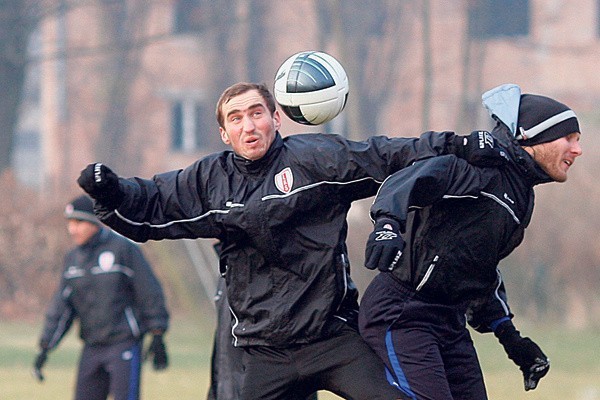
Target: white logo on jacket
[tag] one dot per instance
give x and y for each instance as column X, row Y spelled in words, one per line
column 284, row 180
column 106, row 260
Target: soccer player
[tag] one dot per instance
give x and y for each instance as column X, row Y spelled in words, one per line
column 457, row 222
column 278, row 206
column 107, row 285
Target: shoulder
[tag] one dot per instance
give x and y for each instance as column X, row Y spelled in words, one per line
column 319, row 145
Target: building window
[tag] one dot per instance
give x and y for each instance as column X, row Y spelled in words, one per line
column 188, row 120
column 493, row 19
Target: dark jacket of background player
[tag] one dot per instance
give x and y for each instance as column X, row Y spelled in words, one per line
column 109, row 287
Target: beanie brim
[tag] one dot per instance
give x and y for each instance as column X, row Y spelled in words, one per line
column 82, row 209
column 82, row 216
column 557, row 131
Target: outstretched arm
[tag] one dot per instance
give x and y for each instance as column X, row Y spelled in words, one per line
column 492, row 314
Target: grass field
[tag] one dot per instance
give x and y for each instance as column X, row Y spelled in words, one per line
column 574, row 375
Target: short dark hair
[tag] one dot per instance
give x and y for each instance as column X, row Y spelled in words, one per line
column 241, row 88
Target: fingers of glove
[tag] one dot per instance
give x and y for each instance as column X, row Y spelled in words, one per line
column 87, row 179
column 96, row 178
column 536, row 372
column 37, row 374
column 161, row 361
column 390, row 261
column 373, row 254
column 160, row 354
column 481, row 149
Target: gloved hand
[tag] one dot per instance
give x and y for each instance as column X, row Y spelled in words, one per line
column 524, row 352
column 102, row 184
column 40, row 360
column 158, row 351
column 384, row 246
column 481, row 149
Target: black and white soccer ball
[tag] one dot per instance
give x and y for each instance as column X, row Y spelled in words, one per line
column 311, row 87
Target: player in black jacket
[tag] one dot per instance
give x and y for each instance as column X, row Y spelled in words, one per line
column 458, row 221
column 107, row 285
column 278, row 206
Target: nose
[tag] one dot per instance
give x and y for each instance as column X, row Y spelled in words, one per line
column 71, row 226
column 576, row 149
column 248, row 124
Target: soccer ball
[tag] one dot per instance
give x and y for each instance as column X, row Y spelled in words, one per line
column 311, row 87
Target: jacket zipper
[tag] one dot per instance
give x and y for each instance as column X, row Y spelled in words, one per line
column 428, row 273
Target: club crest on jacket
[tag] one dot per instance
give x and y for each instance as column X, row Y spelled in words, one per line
column 284, row 180
column 106, row 260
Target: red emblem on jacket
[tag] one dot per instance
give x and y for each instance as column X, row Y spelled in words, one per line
column 284, row 180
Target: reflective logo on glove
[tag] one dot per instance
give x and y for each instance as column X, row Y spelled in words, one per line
column 385, row 235
column 98, row 172
column 485, row 139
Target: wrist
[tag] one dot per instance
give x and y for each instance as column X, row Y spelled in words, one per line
column 507, row 333
column 382, row 221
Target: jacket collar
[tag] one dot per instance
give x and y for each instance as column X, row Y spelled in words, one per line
column 99, row 237
column 255, row 167
column 528, row 168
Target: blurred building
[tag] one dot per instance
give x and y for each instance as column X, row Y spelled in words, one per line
column 134, row 83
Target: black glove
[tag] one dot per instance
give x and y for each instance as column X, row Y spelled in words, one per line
column 40, row 360
column 481, row 149
column 101, row 184
column 384, row 246
column 158, row 351
column 524, row 352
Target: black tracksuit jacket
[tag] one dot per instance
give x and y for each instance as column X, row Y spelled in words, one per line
column 458, row 222
column 108, row 285
column 281, row 221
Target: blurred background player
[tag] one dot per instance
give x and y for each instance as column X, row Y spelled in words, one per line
column 107, row 285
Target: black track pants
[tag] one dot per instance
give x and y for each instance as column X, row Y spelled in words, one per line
column 113, row 369
column 426, row 347
column 342, row 364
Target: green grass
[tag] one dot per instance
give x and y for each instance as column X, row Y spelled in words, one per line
column 574, row 375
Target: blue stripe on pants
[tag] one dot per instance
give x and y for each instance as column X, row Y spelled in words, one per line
column 135, row 372
column 396, row 377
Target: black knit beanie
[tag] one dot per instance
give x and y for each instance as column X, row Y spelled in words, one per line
column 81, row 208
column 542, row 119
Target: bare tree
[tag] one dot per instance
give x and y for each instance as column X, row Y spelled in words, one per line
column 369, row 36
column 122, row 25
column 18, row 19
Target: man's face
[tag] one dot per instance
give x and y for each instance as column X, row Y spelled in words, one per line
column 249, row 127
column 81, row 231
column 556, row 157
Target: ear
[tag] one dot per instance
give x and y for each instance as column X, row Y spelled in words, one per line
column 277, row 120
column 224, row 136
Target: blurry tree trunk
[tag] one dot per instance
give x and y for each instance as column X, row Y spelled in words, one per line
column 122, row 23
column 368, row 37
column 473, row 56
column 427, row 66
column 220, row 33
column 16, row 25
column 256, row 46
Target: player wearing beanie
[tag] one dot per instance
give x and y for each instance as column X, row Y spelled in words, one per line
column 457, row 222
column 107, row 285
